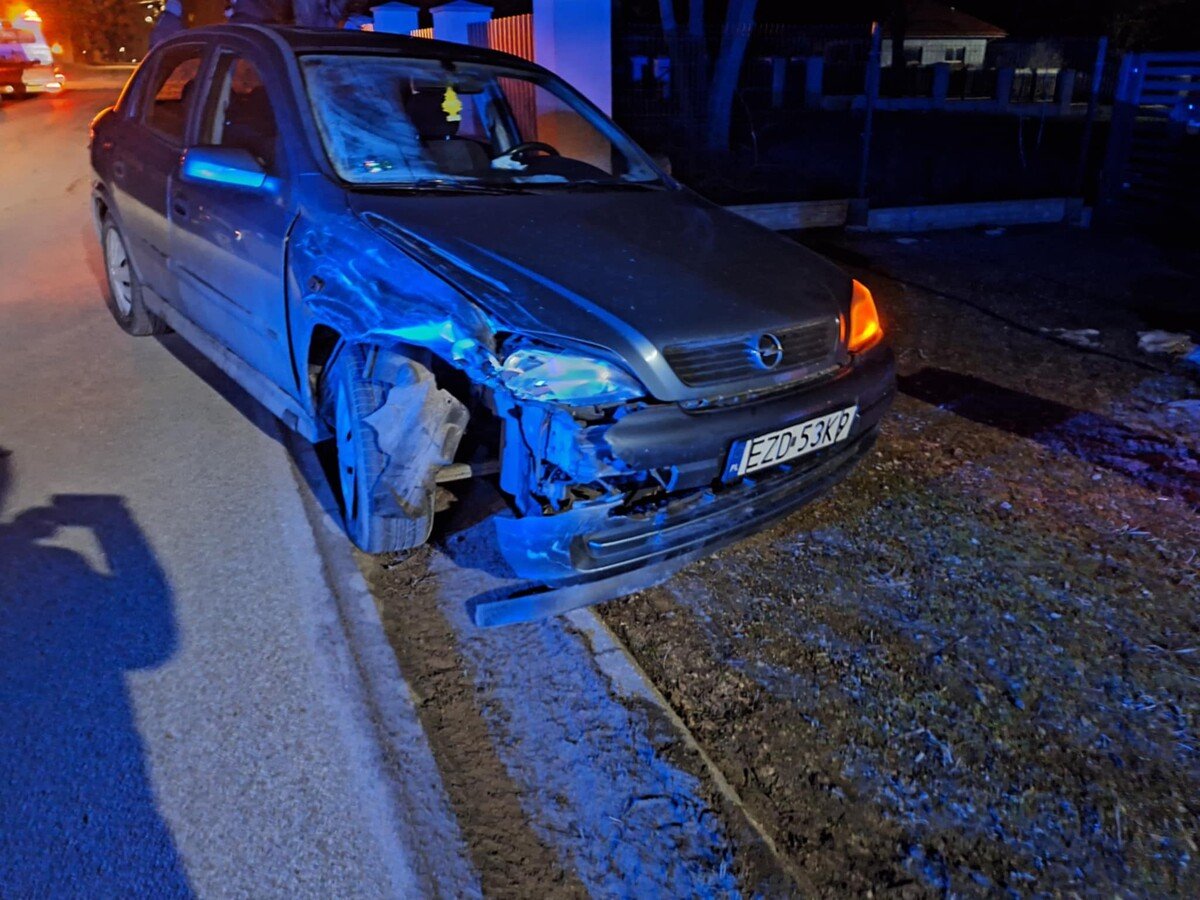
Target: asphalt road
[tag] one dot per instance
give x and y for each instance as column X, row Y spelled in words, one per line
column 176, row 711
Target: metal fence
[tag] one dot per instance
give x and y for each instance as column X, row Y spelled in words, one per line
column 511, row 34
column 1152, row 168
column 776, row 74
column 972, row 84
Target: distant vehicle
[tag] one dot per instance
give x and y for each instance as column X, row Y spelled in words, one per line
column 26, row 63
column 10, row 75
column 448, row 261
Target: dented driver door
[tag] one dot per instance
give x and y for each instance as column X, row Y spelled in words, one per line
column 228, row 241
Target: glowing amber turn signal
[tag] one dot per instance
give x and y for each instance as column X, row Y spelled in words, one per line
column 865, row 330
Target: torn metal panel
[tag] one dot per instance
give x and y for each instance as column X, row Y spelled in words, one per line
column 418, row 427
column 550, row 456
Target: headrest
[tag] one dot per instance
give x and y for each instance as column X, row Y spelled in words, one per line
column 254, row 105
column 426, row 111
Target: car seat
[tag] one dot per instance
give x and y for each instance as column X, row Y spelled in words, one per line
column 452, row 154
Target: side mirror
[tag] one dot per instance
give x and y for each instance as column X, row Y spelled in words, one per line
column 230, row 166
column 663, row 162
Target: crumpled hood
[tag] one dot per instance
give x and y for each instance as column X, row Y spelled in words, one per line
column 631, row 271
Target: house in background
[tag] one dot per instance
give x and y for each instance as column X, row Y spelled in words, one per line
column 938, row 33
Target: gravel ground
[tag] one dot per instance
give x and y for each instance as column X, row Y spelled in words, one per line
column 975, row 666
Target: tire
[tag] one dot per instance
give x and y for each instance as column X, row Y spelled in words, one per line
column 356, row 385
column 124, row 294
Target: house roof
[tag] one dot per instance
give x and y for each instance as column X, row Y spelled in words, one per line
column 929, row 19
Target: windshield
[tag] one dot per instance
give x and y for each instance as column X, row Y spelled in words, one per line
column 406, row 122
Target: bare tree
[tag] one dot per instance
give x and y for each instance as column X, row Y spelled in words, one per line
column 703, row 91
column 898, row 26
column 313, row 13
column 1153, row 24
column 100, row 26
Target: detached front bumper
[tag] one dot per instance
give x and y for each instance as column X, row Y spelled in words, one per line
column 602, row 540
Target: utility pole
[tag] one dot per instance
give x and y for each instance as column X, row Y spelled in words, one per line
column 1085, row 142
column 872, row 90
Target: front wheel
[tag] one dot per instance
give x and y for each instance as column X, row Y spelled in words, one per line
column 124, row 297
column 374, row 399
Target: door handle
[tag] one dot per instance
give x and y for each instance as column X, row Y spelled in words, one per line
column 119, row 169
column 180, row 207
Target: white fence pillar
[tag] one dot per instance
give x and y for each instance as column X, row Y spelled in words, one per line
column 814, row 70
column 452, row 21
column 395, row 18
column 779, row 71
column 573, row 39
column 1004, row 86
column 941, row 83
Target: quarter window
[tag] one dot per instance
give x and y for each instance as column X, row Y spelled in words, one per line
column 172, row 93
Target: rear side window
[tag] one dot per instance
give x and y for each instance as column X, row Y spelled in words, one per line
column 172, row 93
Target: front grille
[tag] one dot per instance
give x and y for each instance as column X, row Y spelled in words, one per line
column 712, row 362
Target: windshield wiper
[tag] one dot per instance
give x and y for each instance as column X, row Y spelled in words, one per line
column 594, row 184
column 442, row 187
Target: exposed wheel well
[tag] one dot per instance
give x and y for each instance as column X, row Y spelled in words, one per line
column 325, row 342
column 321, row 345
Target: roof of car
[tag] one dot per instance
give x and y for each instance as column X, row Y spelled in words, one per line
column 333, row 40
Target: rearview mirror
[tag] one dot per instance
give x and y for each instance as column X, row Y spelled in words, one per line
column 230, row 166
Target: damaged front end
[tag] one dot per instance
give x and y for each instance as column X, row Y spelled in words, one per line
column 603, row 489
column 556, row 407
column 603, row 476
column 564, row 479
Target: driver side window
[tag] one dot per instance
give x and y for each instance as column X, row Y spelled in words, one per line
column 239, row 112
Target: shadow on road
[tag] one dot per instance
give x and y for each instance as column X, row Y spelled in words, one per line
column 1164, row 466
column 77, row 810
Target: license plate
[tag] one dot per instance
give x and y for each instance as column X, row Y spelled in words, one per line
column 787, row 444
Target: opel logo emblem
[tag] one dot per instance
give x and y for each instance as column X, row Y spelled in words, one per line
column 768, row 351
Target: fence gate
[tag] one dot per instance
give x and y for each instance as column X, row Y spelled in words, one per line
column 1152, row 168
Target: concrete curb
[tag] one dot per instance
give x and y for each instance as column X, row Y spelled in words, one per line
column 630, row 680
column 1045, row 211
column 420, row 823
column 793, row 216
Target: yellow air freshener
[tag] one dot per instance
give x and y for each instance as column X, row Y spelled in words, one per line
column 451, row 105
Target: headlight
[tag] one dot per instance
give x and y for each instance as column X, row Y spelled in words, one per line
column 540, row 373
column 865, row 330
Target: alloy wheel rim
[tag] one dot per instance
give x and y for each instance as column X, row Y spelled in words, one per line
column 120, row 279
